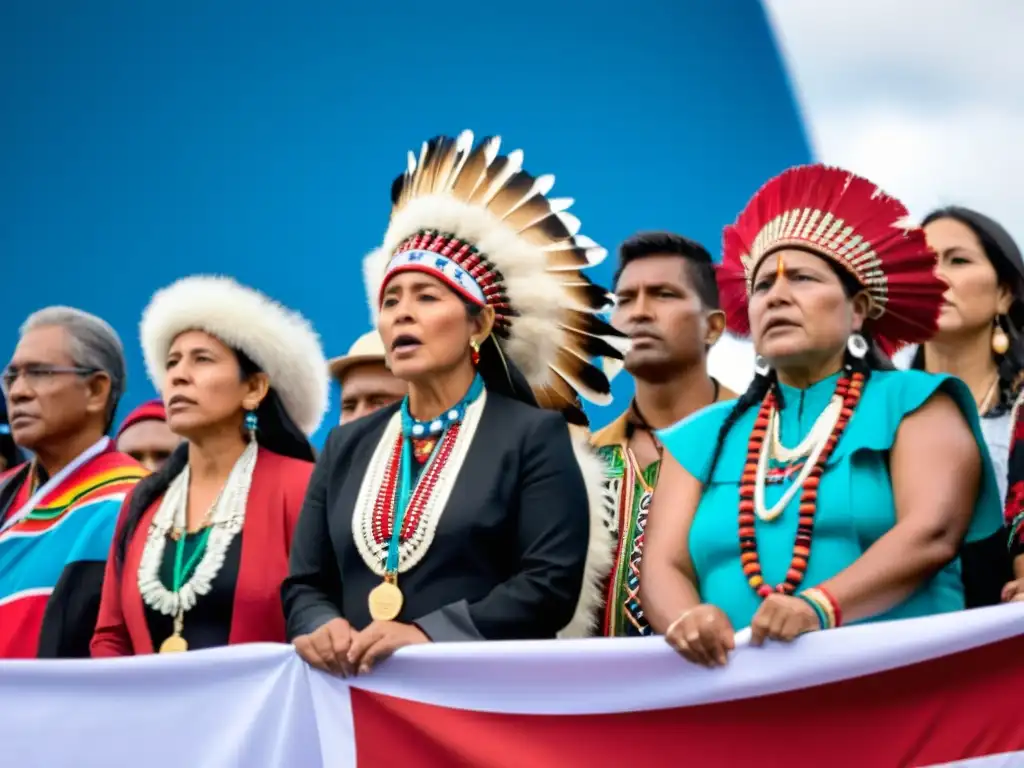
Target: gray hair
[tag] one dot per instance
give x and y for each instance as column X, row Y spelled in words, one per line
column 92, row 342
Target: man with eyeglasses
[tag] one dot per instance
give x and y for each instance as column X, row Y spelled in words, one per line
column 58, row 512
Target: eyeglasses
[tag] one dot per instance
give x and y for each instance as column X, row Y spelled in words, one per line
column 40, row 375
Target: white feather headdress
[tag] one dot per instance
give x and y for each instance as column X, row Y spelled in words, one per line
column 281, row 342
column 485, row 226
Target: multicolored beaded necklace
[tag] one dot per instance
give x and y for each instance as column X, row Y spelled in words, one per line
column 850, row 387
column 424, row 435
column 401, row 499
column 404, row 496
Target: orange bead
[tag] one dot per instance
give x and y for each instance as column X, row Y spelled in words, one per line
column 802, row 551
column 748, row 557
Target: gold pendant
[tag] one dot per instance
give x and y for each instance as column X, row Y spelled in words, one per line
column 174, row 644
column 386, row 601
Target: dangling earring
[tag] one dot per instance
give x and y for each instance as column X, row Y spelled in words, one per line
column 474, row 355
column 250, row 424
column 1000, row 341
column 761, row 367
column 857, row 346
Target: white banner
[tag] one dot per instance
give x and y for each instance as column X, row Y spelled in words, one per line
column 259, row 706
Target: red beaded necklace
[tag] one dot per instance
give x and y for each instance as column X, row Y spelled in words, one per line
column 384, row 505
column 849, row 388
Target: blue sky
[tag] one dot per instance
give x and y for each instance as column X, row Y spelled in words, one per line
column 143, row 142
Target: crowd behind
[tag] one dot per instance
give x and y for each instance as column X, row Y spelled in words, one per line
column 872, row 470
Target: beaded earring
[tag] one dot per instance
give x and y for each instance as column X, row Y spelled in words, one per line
column 1000, row 341
column 251, row 422
column 474, row 355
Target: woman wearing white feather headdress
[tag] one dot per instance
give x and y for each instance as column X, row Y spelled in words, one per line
column 463, row 512
column 202, row 546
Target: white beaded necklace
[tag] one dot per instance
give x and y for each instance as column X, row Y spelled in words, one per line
column 811, row 446
column 414, row 549
column 225, row 518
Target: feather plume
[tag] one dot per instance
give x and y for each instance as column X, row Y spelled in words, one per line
column 545, row 306
column 849, row 220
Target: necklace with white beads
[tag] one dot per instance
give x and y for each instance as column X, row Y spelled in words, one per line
column 225, row 518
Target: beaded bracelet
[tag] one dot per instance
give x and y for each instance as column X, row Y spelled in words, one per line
column 828, row 605
column 822, row 618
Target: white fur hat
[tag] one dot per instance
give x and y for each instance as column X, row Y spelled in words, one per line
column 281, row 342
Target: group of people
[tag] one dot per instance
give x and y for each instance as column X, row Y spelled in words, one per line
column 464, row 495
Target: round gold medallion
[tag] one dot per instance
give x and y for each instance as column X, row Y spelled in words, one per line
column 385, row 601
column 174, row 644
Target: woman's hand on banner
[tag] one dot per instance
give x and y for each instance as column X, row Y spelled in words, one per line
column 703, row 635
column 327, row 647
column 380, row 640
column 783, row 618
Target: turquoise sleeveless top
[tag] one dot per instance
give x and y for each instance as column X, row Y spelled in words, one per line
column 855, row 499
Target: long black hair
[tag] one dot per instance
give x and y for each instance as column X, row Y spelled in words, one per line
column 276, row 431
column 1005, row 257
column 499, row 373
column 762, row 384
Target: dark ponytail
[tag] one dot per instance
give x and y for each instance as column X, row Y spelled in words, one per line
column 276, row 431
column 499, row 373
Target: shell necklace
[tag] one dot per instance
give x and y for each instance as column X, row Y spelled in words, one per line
column 811, row 447
column 224, row 519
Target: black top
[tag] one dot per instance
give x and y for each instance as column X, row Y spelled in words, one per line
column 508, row 556
column 208, row 624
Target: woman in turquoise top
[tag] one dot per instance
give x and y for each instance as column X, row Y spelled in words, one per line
column 837, row 489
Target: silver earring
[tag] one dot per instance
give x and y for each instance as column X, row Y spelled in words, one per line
column 761, row 367
column 857, row 346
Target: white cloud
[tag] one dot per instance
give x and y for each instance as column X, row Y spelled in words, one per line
column 925, row 98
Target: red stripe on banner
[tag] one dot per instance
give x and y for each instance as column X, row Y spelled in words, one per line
column 954, row 707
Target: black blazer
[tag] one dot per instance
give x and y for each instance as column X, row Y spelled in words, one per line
column 507, row 560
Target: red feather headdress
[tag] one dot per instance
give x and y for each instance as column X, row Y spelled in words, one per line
column 849, row 220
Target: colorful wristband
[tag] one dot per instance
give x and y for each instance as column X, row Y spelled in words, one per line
column 822, row 618
column 828, row 605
